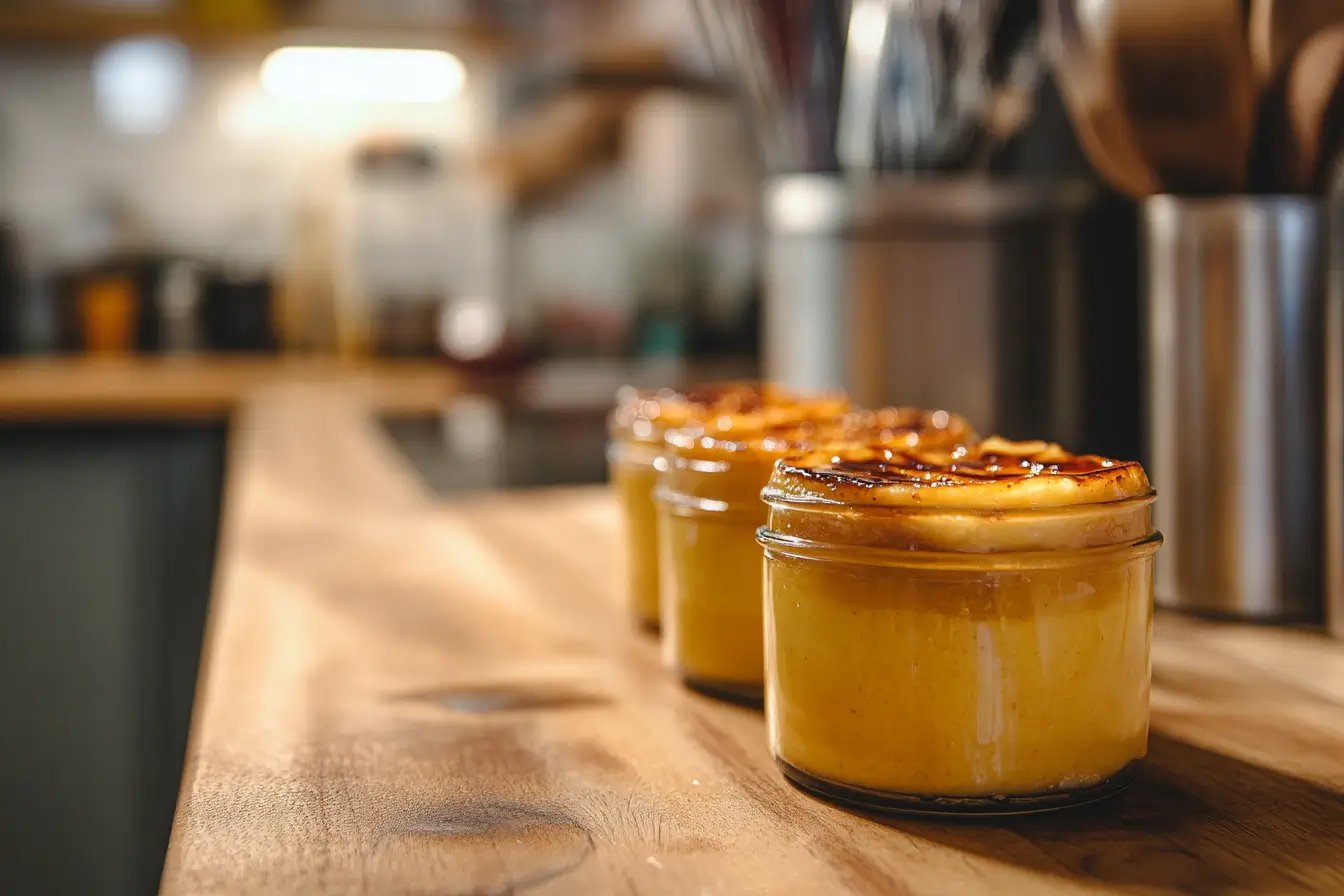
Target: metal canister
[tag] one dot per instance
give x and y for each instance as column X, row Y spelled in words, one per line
column 1334, row 423
column 959, row 293
column 1235, row 293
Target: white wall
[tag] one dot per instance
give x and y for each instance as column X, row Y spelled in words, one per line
column 229, row 177
column 226, row 177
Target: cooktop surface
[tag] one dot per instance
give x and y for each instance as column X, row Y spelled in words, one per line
column 479, row 444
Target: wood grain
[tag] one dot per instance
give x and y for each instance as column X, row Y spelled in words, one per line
column 400, row 697
column 89, row 26
column 201, row 387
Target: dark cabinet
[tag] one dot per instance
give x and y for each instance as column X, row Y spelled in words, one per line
column 107, row 540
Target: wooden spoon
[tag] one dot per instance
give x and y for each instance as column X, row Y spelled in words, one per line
column 1081, row 49
column 1183, row 75
column 1299, row 117
column 1330, row 154
column 1279, row 27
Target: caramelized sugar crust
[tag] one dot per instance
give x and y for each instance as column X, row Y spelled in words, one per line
column 995, row 473
column 645, row 415
column 805, row 425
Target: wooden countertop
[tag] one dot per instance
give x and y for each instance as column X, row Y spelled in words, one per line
column 404, row 697
column 206, row 387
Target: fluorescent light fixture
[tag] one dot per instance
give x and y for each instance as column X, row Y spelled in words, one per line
column 362, row 75
column 140, row 83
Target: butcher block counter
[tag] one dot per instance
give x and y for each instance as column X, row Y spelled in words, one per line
column 400, row 695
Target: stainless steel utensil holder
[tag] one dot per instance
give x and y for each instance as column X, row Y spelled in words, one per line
column 1235, row 292
column 959, row 293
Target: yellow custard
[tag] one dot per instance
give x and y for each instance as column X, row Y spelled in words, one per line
column 710, row 509
column 635, row 456
column 962, row 630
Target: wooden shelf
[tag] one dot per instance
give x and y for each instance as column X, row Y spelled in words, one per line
column 43, row 27
column 204, row 387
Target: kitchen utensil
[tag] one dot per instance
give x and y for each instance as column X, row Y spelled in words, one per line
column 1079, row 40
column 1330, row 156
column 935, row 84
column 1184, row 82
column 912, row 101
column 824, row 69
column 774, row 27
column 856, row 127
column 1235, row 294
column 1295, row 127
column 732, row 30
column 1278, row 27
column 866, row 85
column 804, row 45
column 1016, row 71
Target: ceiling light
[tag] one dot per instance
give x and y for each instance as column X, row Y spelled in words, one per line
column 356, row 74
column 140, row 83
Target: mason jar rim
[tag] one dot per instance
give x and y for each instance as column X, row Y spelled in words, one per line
column 642, row 454
column 777, row 545
column 682, row 504
column 777, row 499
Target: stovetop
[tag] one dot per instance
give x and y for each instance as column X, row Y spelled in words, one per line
column 477, row 444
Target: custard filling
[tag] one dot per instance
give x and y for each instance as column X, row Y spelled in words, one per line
column 972, row 622
column 711, row 509
column 637, row 427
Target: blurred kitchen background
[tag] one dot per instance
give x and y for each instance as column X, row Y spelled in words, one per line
column 546, row 199
column 565, row 195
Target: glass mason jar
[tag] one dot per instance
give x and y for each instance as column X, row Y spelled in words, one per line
column 635, row 459
column 709, row 505
column 633, row 468
column 958, row 632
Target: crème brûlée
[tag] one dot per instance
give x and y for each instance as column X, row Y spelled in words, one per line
column 958, row 630
column 637, row 427
column 710, row 509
